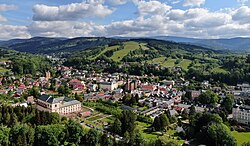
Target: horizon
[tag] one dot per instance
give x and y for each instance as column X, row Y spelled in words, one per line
column 203, row 19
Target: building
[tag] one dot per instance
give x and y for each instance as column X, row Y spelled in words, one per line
column 241, row 114
column 61, row 105
column 108, row 85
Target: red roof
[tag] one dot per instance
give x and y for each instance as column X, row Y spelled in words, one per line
column 148, row 87
column 74, row 81
column 178, row 108
column 163, row 89
column 22, row 86
column 3, row 90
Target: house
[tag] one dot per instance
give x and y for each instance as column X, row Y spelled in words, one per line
column 241, row 114
column 193, row 93
column 108, row 85
column 3, row 91
column 61, row 105
column 78, row 87
column 75, row 81
column 148, row 88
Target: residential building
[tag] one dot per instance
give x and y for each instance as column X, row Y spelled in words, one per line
column 61, row 105
column 108, row 85
column 241, row 114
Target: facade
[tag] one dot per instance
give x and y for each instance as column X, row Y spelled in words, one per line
column 61, row 105
column 241, row 114
column 108, row 85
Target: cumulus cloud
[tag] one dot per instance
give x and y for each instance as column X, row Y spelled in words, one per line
column 193, row 3
column 74, row 11
column 155, row 18
column 153, row 7
column 242, row 14
column 65, row 28
column 11, row 31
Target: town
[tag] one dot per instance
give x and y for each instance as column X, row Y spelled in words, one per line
column 164, row 108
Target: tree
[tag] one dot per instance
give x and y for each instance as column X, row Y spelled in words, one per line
column 21, row 135
column 92, row 137
column 4, row 135
column 208, row 97
column 13, row 120
column 139, row 141
column 50, row 135
column 160, row 122
column 106, row 140
column 34, row 91
column 227, row 103
column 220, row 134
column 116, row 127
column 75, row 132
column 192, row 110
column 127, row 119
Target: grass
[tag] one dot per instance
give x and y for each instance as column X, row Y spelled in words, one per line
column 106, row 49
column 93, row 118
column 169, row 62
column 169, row 135
column 129, row 46
column 185, row 63
column 241, row 137
column 218, row 70
column 3, row 70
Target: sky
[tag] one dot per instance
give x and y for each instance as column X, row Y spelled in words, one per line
column 127, row 18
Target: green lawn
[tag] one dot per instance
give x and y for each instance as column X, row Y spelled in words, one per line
column 106, row 49
column 169, row 63
column 185, row 63
column 169, row 135
column 241, row 137
column 129, row 46
column 162, row 61
column 218, row 70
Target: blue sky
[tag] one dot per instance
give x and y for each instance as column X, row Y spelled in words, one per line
column 74, row 18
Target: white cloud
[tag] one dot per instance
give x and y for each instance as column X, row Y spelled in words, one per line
column 242, row 1
column 5, row 7
column 242, row 14
column 117, row 2
column 64, row 29
column 2, row 19
column 153, row 7
column 70, row 12
column 155, row 18
column 193, row 3
column 11, row 32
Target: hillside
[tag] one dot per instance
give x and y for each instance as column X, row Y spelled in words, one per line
column 149, row 51
column 55, row 45
column 234, row 44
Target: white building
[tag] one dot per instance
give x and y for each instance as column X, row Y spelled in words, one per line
column 61, row 105
column 108, row 85
column 241, row 114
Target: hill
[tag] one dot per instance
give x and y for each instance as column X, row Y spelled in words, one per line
column 149, row 51
column 45, row 45
column 234, row 44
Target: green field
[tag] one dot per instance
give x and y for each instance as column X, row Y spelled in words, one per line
column 129, row 46
column 218, row 70
column 3, row 70
column 169, row 135
column 105, row 50
column 241, row 137
column 169, row 62
column 185, row 63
